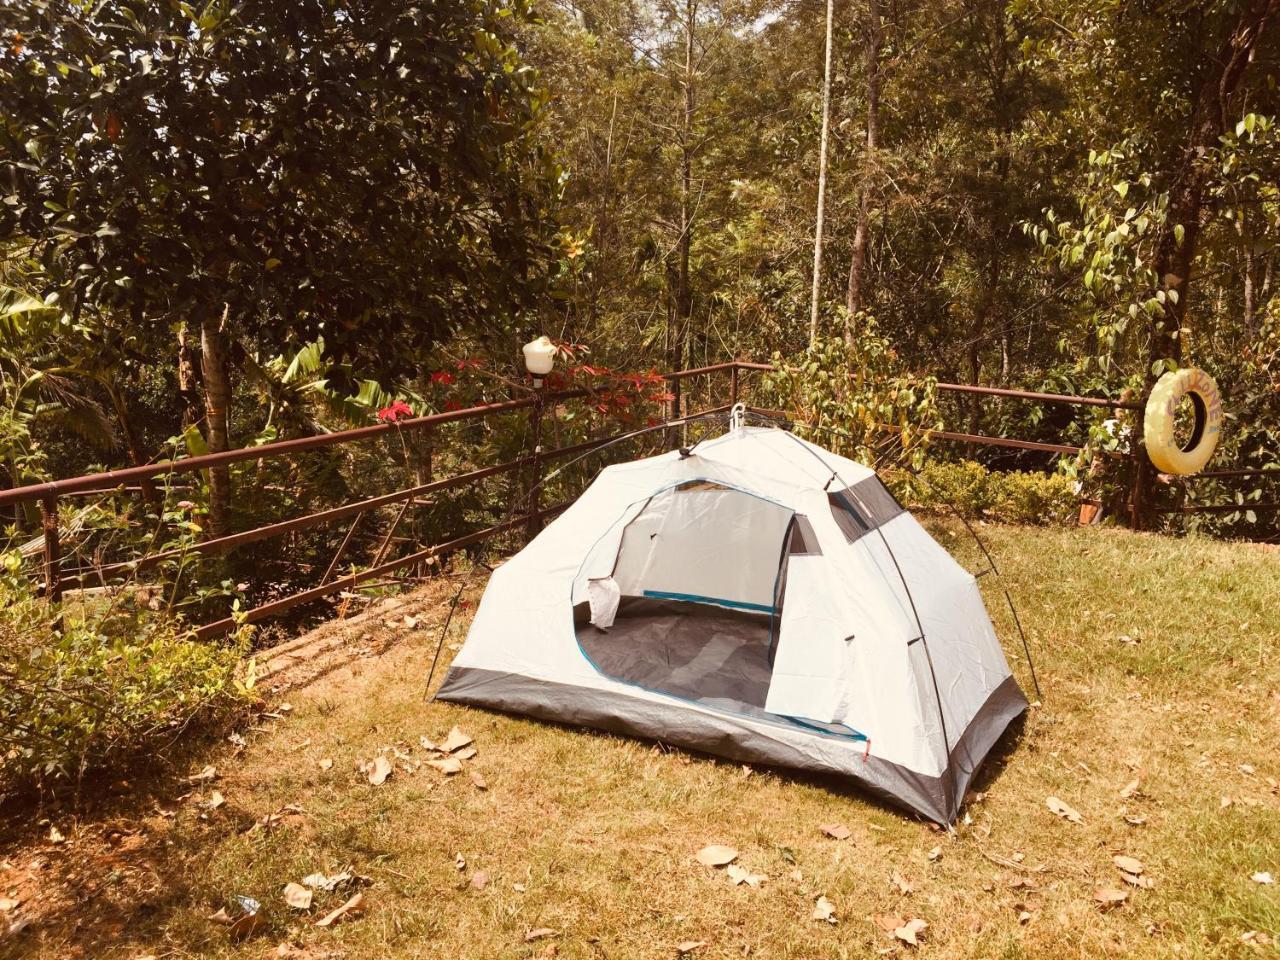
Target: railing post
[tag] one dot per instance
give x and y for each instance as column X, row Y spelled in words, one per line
column 534, row 524
column 52, row 548
column 733, row 384
column 674, row 412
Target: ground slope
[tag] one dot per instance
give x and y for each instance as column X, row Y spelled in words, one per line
column 1158, row 660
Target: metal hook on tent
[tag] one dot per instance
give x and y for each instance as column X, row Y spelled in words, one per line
column 737, row 416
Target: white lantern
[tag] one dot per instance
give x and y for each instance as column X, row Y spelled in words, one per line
column 539, row 356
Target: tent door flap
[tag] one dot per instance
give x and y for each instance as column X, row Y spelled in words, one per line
column 808, row 667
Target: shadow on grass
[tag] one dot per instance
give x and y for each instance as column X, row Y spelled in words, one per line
column 119, row 861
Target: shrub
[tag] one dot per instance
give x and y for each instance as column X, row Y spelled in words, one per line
column 974, row 491
column 96, row 693
column 857, row 398
column 1032, row 497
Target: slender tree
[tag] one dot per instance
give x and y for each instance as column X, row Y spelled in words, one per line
column 816, row 296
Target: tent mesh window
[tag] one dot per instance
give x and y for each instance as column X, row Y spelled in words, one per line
column 866, row 505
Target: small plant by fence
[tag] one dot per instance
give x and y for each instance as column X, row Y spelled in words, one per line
column 62, row 559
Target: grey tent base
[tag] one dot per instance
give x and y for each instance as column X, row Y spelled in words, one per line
column 935, row 798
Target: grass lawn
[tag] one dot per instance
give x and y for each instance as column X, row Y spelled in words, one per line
column 1159, row 664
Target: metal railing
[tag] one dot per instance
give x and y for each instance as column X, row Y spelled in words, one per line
column 135, row 479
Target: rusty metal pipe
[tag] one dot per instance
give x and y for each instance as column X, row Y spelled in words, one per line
column 221, row 627
column 112, row 478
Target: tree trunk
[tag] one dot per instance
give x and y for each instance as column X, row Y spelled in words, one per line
column 822, row 180
column 217, row 393
column 1223, row 72
column 856, row 292
column 131, row 445
column 1246, row 258
column 684, row 292
column 188, row 386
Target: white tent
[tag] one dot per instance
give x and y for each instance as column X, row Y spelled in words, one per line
column 758, row 598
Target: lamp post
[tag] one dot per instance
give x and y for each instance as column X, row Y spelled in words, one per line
column 539, row 359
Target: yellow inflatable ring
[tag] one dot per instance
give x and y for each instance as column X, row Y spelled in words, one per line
column 1157, row 427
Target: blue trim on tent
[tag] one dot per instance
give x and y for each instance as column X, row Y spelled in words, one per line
column 715, row 601
column 851, row 735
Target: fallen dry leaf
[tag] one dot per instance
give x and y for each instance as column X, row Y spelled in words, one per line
column 456, row 740
column 899, row 881
column 887, row 922
column 208, row 773
column 245, row 923
column 910, row 931
column 326, row 764
column 1145, row 883
column 1063, row 810
column 1108, row 897
column 717, row 855
column 351, row 908
column 56, row 835
column 380, row 770
column 740, row 875
column 215, row 800
column 297, row 896
column 538, row 933
column 1024, row 918
column 824, row 909
column 7, row 904
column 1131, row 789
column 320, row 881
column 1262, row 877
column 1128, row 864
column 448, row 766
column 935, row 853
column 689, row 946
column 478, row 780
column 428, row 745
column 1134, row 820
column 465, row 754
column 836, row 831
column 460, row 861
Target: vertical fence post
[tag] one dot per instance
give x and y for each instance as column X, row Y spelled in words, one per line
column 733, row 385
column 533, row 525
column 52, row 548
column 675, row 411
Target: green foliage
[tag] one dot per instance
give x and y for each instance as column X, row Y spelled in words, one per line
column 1012, row 496
column 115, row 680
column 367, row 173
column 855, row 397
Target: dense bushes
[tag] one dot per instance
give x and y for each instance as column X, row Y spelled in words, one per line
column 111, row 683
column 975, row 491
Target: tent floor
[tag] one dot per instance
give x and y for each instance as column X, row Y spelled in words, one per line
column 708, row 654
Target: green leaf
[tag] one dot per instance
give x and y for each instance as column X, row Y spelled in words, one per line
column 1179, row 231
column 1122, row 188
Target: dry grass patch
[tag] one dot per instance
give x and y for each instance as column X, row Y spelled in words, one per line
column 594, row 837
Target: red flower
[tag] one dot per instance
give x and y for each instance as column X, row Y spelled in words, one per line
column 392, row 413
column 442, row 376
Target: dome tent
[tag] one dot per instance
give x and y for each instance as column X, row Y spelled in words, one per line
column 758, row 598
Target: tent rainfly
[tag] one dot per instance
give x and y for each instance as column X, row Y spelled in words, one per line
column 758, row 598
